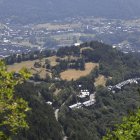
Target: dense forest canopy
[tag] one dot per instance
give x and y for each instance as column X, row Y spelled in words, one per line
column 41, row 119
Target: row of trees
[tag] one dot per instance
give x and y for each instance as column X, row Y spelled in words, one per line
column 63, row 65
column 29, row 56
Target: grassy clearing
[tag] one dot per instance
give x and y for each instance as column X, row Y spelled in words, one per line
column 76, row 74
column 52, row 60
column 41, row 71
column 100, row 81
column 30, row 66
column 18, row 66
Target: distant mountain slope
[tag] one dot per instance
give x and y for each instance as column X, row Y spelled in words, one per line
column 52, row 9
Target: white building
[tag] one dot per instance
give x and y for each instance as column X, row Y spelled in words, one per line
column 84, row 93
column 77, row 44
column 89, row 102
column 49, row 103
column 77, row 105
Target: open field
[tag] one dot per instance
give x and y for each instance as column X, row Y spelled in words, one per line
column 76, row 74
column 30, row 66
column 100, row 81
column 52, row 60
column 54, row 26
column 25, row 43
column 18, row 66
column 41, row 71
column 69, row 38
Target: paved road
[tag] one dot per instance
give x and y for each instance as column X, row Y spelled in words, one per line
column 122, row 84
column 56, row 114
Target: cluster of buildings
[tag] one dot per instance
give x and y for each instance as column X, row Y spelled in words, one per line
column 119, row 86
column 6, row 50
column 12, row 38
column 84, row 94
column 70, row 31
column 87, row 100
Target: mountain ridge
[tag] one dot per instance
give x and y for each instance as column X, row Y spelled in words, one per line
column 53, row 9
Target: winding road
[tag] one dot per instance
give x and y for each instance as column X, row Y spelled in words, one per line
column 56, row 116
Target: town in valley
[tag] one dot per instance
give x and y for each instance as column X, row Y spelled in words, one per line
column 19, row 38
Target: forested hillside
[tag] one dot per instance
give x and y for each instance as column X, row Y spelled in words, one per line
column 41, row 119
column 54, row 94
